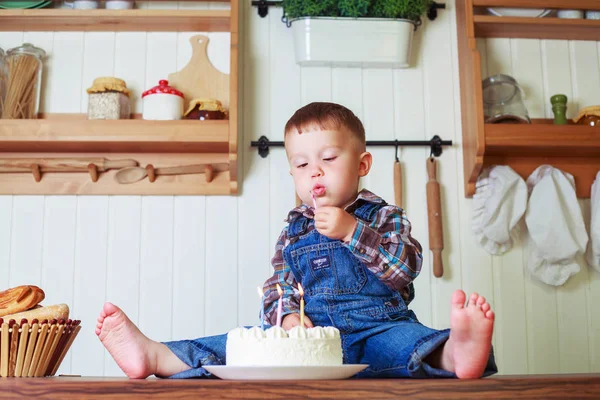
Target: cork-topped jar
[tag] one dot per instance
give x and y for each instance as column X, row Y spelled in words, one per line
column 203, row 109
column 588, row 116
column 108, row 99
column 162, row 102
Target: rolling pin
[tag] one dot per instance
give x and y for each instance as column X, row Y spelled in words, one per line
column 434, row 218
column 62, row 164
column 398, row 183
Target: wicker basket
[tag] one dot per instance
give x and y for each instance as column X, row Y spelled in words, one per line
column 34, row 349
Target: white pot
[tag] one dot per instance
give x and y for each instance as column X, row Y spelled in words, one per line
column 162, row 102
column 351, row 42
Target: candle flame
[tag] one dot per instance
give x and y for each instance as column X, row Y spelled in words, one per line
column 300, row 290
column 279, row 290
column 260, row 292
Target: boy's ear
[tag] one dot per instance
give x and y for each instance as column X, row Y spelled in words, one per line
column 366, row 160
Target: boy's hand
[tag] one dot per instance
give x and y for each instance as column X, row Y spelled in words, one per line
column 292, row 320
column 335, row 223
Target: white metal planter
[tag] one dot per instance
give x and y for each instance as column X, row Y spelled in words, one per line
column 351, row 42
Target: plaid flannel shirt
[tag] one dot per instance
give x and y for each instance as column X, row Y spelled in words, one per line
column 385, row 246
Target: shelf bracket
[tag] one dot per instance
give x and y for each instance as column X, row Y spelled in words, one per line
column 263, row 6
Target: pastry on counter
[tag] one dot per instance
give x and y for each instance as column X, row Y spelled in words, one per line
column 203, row 109
column 20, row 298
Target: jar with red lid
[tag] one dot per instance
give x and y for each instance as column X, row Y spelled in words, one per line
column 162, row 102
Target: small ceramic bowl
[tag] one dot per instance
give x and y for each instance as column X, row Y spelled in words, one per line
column 85, row 4
column 570, row 14
column 119, row 4
column 592, row 14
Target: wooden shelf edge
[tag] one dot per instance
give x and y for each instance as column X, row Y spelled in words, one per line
column 572, row 5
column 542, row 140
column 571, row 148
column 80, row 183
column 101, row 20
column 131, row 135
column 536, row 28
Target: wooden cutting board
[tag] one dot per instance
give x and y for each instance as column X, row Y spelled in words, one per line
column 199, row 78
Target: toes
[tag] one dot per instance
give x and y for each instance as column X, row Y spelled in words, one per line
column 485, row 307
column 490, row 315
column 458, row 299
column 473, row 299
column 480, row 301
column 110, row 309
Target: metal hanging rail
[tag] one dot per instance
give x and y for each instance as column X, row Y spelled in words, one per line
column 435, row 143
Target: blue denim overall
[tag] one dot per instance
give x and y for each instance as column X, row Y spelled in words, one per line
column 375, row 324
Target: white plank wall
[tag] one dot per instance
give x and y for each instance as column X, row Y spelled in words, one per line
column 184, row 267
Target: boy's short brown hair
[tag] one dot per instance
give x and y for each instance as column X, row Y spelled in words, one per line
column 326, row 116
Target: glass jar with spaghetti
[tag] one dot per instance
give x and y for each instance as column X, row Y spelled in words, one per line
column 24, row 67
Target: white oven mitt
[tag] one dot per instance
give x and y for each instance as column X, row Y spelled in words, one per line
column 555, row 224
column 593, row 255
column 499, row 202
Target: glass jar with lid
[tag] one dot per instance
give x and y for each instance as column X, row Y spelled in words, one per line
column 503, row 101
column 108, row 99
column 24, row 65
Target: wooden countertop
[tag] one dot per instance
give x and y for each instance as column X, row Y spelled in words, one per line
column 521, row 387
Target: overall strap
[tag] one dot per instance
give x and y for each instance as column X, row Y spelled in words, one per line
column 297, row 226
column 367, row 211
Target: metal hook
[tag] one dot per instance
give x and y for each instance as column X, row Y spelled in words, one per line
column 397, row 146
column 436, row 146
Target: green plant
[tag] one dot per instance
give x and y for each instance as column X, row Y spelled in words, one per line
column 407, row 9
column 401, row 9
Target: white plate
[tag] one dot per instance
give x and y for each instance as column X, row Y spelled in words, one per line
column 519, row 12
column 285, row 372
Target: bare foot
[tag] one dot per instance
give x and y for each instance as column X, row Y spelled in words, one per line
column 470, row 341
column 130, row 348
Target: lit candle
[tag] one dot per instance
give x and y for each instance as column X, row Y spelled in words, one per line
column 262, row 308
column 301, row 305
column 279, row 307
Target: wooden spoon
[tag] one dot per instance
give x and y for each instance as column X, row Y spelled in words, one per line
column 135, row 174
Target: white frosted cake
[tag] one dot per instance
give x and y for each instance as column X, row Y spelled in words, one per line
column 276, row 347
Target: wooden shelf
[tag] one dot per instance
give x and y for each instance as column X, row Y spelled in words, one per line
column 544, row 140
column 571, row 5
column 536, row 28
column 573, row 149
column 159, row 143
column 117, row 136
column 136, row 20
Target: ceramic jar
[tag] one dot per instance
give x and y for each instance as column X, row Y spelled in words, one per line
column 162, row 102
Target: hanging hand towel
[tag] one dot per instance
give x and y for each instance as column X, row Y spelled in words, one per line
column 555, row 225
column 593, row 254
column 499, row 202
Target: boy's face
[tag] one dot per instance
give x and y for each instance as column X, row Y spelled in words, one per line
column 328, row 163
